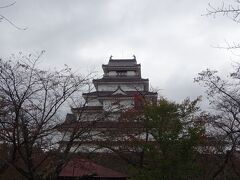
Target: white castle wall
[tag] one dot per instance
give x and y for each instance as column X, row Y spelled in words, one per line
column 112, row 73
column 128, row 73
column 131, row 73
column 115, row 104
column 124, row 87
column 93, row 102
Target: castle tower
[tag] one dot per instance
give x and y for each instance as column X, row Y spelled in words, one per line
column 119, row 87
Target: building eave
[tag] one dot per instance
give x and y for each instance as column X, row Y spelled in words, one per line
column 121, row 80
column 98, row 94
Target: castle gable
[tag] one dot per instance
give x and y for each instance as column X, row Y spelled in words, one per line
column 119, row 91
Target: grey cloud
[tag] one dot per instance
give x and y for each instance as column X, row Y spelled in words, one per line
column 170, row 38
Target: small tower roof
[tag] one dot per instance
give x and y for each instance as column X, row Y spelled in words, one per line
column 122, row 62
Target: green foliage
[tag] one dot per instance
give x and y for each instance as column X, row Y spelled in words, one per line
column 173, row 138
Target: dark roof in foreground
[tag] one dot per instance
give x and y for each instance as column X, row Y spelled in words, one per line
column 78, row 167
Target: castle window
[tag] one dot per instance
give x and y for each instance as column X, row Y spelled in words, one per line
column 121, row 73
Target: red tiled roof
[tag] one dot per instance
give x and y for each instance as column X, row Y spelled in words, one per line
column 78, row 167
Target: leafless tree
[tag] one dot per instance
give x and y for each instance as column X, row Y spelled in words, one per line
column 4, row 18
column 31, row 103
column 230, row 9
column 224, row 122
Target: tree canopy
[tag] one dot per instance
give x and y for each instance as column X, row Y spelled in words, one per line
column 174, row 134
column 31, row 99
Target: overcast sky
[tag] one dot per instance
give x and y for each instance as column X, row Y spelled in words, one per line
column 171, row 39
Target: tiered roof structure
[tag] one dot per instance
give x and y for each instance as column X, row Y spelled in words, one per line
column 119, row 90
